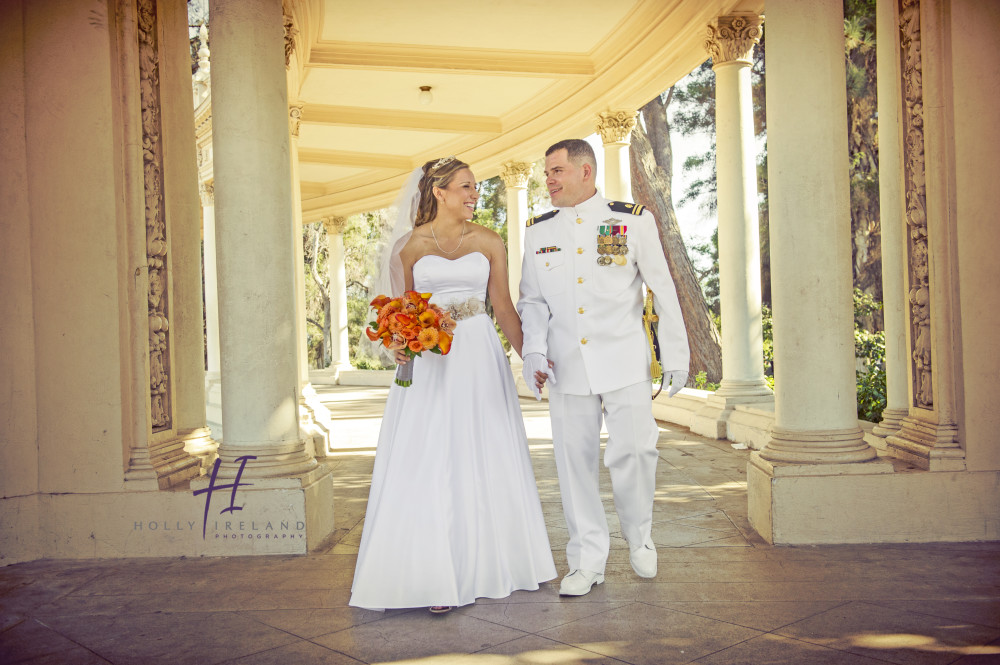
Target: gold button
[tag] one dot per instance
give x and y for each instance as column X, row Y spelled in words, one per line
column 579, row 221
column 580, row 310
column 546, row 264
column 579, row 280
column 579, row 250
column 583, row 341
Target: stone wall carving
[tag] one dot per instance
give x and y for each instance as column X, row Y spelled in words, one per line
column 515, row 174
column 294, row 119
column 156, row 227
column 290, row 33
column 733, row 37
column 616, row 126
column 915, row 196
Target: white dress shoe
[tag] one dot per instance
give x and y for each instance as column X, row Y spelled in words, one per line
column 643, row 560
column 579, row 582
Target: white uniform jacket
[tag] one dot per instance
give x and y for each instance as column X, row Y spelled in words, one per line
column 586, row 317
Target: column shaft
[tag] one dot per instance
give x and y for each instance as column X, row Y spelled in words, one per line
column 815, row 400
column 340, row 351
column 515, row 176
column 891, row 212
column 254, row 228
column 211, row 280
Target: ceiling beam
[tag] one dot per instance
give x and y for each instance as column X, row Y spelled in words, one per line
column 357, row 159
column 408, row 57
column 385, row 119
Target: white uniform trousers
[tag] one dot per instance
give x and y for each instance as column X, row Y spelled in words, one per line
column 630, row 456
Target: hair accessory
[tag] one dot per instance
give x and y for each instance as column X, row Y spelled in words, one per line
column 441, row 162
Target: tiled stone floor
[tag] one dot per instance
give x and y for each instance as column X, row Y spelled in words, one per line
column 722, row 595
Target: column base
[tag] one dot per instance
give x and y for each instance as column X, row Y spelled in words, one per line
column 161, row 465
column 927, row 445
column 840, row 446
column 892, row 421
column 316, row 422
column 712, row 420
column 199, row 443
column 271, row 460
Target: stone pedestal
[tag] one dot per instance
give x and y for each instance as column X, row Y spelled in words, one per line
column 615, row 128
column 255, row 224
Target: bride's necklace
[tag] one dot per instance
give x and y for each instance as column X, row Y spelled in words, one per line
column 442, row 249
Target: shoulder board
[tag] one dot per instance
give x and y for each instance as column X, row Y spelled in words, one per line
column 541, row 218
column 630, row 208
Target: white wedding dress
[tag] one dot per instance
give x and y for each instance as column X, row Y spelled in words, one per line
column 453, row 513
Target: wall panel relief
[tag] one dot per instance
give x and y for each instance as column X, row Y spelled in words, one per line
column 916, row 203
column 156, row 228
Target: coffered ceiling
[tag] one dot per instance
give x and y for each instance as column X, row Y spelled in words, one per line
column 507, row 78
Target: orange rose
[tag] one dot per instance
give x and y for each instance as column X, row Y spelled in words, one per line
column 415, row 346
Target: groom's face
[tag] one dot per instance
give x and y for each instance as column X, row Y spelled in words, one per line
column 568, row 183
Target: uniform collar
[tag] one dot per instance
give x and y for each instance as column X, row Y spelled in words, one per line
column 591, row 205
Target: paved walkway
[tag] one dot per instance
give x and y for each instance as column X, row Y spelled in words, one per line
column 722, row 595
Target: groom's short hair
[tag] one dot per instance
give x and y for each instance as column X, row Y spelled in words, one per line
column 577, row 151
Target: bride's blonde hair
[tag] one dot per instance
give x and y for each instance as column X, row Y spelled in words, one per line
column 437, row 173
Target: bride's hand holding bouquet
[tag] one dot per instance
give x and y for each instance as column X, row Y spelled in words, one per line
column 410, row 324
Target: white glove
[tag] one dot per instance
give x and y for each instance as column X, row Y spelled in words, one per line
column 535, row 362
column 676, row 378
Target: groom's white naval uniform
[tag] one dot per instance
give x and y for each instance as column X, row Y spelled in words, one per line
column 585, row 316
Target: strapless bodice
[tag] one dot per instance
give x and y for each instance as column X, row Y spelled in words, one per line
column 452, row 281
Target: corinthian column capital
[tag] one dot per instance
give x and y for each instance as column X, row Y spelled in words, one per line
column 515, row 174
column 294, row 119
column 732, row 38
column 207, row 191
column 616, row 126
column 334, row 225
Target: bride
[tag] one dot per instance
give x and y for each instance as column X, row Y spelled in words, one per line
column 453, row 512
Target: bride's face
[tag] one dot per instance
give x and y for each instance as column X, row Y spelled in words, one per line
column 458, row 198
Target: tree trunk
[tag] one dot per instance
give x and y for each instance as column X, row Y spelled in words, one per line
column 652, row 172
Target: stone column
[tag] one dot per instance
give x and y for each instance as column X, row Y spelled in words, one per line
column 515, row 176
column 254, row 234
column 730, row 43
column 815, row 401
column 616, row 128
column 213, row 366
column 211, row 278
column 815, row 432
column 891, row 212
column 340, row 351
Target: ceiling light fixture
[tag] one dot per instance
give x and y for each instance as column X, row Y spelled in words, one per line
column 425, row 95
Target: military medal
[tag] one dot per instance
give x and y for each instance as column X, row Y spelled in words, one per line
column 612, row 243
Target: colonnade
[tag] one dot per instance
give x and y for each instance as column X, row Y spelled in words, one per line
column 261, row 312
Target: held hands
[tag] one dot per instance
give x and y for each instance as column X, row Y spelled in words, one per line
column 676, row 378
column 535, row 372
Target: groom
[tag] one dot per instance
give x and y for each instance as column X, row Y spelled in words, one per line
column 581, row 308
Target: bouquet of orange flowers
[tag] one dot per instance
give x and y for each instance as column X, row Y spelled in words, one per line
column 411, row 323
